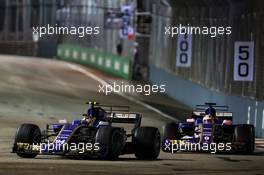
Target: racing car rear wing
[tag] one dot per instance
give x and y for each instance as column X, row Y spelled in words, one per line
column 126, row 117
column 206, row 105
column 119, row 114
column 222, row 115
column 111, row 109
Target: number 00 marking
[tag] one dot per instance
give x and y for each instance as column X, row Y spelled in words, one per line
column 184, row 48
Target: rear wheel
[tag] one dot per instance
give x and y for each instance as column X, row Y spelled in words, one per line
column 111, row 142
column 245, row 134
column 27, row 133
column 170, row 132
column 146, row 142
column 223, row 133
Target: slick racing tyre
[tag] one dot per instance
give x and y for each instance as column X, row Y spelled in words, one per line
column 170, row 132
column 111, row 142
column 146, row 142
column 27, row 133
column 245, row 134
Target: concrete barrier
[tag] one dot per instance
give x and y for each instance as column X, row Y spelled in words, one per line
column 113, row 64
column 244, row 110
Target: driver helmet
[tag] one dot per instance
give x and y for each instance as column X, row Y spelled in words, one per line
column 208, row 119
column 210, row 115
column 89, row 118
column 211, row 112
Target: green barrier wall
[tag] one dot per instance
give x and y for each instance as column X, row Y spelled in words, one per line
column 116, row 65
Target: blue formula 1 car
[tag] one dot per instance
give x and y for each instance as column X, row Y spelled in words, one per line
column 210, row 128
column 94, row 136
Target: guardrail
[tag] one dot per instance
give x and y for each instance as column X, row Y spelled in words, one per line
column 106, row 62
column 24, row 48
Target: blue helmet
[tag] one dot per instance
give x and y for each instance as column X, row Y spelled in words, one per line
column 90, row 112
column 210, row 111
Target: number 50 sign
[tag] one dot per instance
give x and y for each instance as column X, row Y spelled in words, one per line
column 244, row 61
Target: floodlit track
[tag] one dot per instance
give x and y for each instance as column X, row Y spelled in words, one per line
column 43, row 91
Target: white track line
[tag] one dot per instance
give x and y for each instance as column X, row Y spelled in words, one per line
column 103, row 82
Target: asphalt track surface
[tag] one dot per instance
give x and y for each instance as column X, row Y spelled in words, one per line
column 43, row 91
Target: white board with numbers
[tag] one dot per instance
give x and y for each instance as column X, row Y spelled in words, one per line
column 244, row 61
column 184, row 50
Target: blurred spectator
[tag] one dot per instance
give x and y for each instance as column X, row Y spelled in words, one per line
column 119, row 48
column 136, row 75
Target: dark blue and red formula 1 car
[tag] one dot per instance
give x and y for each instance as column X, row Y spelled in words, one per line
column 210, row 128
column 95, row 136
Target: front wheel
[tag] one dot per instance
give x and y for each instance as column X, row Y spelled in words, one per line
column 27, row 134
column 245, row 134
